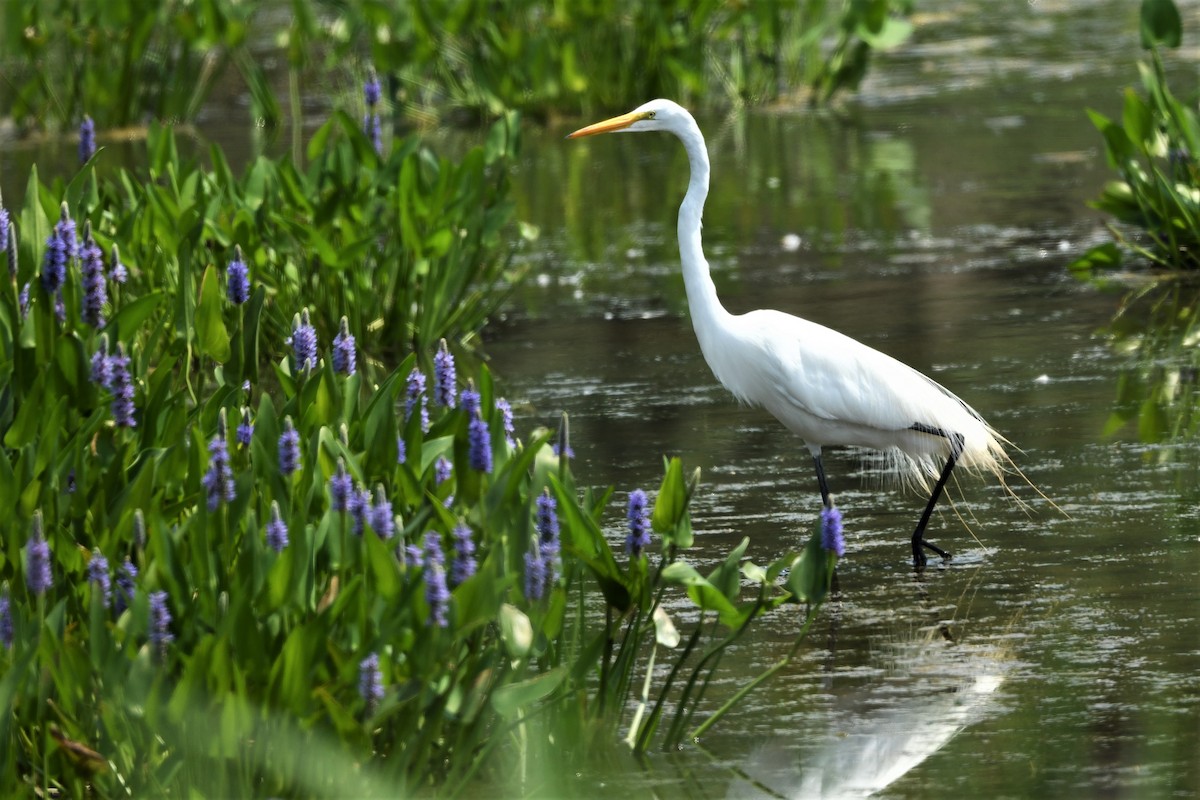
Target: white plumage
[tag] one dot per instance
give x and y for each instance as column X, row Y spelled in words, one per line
column 823, row 386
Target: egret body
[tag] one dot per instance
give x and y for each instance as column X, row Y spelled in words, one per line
column 822, row 385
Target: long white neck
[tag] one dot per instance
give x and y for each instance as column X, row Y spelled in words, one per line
column 705, row 307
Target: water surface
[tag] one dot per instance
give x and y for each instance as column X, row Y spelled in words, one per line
column 1056, row 655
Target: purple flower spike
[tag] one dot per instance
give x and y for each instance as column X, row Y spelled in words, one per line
column 535, row 574
column 125, row 585
column 548, row 533
column 506, row 415
column 831, row 532
column 359, row 506
column 160, row 624
column 218, row 480
column 101, row 372
column 340, row 487
column 468, row 399
column 639, row 523
column 415, row 395
column 245, row 428
column 87, row 139
column 372, row 90
column 95, row 293
column 277, row 532
column 401, row 450
column 289, row 448
column 444, row 378
column 7, row 632
column 464, row 564
column 98, row 576
column 37, row 559
column 304, row 342
column 380, row 515
column 442, row 469
column 343, row 349
column 436, row 592
column 370, row 682
column 61, row 247
column 121, row 387
column 238, row 278
column 479, row 451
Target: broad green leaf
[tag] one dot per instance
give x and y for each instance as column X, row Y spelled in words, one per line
column 212, row 337
column 1160, row 24
column 508, row 700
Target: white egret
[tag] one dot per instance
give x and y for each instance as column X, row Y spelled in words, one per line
column 822, row 385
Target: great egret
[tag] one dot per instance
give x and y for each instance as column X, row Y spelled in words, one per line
column 822, row 385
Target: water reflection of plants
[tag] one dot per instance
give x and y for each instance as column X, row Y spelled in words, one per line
column 1158, row 331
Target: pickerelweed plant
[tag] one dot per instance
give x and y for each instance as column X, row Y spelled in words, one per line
column 219, row 560
column 1154, row 149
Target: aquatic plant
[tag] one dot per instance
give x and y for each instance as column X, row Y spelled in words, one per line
column 1154, row 149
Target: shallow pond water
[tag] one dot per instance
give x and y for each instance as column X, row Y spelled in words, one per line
column 1057, row 654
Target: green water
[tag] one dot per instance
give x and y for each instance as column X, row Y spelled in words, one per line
column 1058, row 654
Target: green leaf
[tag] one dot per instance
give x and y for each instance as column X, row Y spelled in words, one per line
column 510, row 699
column 1160, row 24
column 210, row 327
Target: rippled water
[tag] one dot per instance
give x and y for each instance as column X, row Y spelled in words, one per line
column 1058, row 653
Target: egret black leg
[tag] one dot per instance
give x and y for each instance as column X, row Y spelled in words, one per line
column 918, row 537
column 821, row 481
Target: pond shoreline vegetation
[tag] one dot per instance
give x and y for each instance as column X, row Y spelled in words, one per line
column 266, row 501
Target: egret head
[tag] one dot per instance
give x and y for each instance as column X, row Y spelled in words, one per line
column 657, row 115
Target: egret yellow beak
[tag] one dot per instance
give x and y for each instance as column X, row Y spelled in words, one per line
column 610, row 125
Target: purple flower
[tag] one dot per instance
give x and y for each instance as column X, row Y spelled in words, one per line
column 289, row 448
column 61, row 247
column 436, row 592
column 101, row 372
column 401, row 450
column 548, row 533
column 4, row 229
column 87, row 139
column 97, row 575
column 121, row 387
column 415, row 394
column 535, row 574
column 374, row 128
column 7, row 634
column 238, row 278
column 556, row 448
column 370, row 682
column 304, row 342
column 479, row 445
column 125, row 585
column 372, row 90
column 506, row 415
column 37, row 559
column 60, row 306
column 160, row 623
column 277, row 532
column 464, row 564
column 359, row 506
column 23, row 300
column 443, row 376
column 638, row 516
column 831, row 531
column 340, row 487
column 442, row 469
column 218, row 480
column 245, row 428
column 343, row 349
column 117, row 270
column 379, row 515
column 468, row 399
column 95, row 294
column 412, row 555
